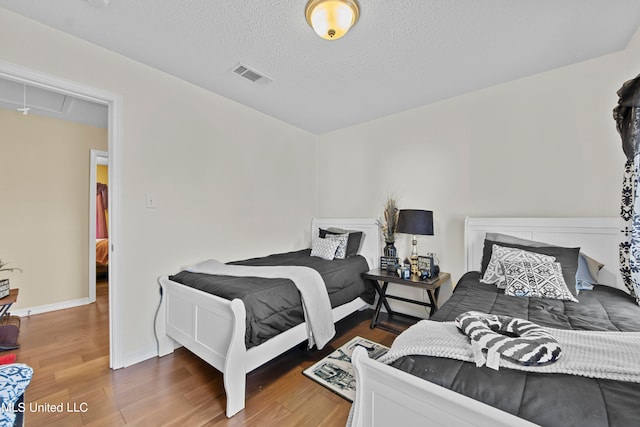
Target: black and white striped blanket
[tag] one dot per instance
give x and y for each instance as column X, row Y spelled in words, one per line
column 594, row 354
column 516, row 339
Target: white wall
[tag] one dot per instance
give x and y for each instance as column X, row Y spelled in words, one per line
column 229, row 182
column 223, row 174
column 545, row 145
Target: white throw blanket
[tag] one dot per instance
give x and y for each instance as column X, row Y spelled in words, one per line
column 594, row 354
column 313, row 292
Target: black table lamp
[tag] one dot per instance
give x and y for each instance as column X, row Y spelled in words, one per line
column 415, row 221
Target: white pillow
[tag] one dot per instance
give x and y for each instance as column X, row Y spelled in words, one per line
column 541, row 280
column 341, row 252
column 494, row 275
column 325, row 248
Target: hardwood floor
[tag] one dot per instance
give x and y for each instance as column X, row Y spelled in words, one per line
column 69, row 352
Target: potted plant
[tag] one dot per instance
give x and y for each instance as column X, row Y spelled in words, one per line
column 4, row 283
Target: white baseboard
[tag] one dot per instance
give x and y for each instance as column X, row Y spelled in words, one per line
column 134, row 358
column 22, row 312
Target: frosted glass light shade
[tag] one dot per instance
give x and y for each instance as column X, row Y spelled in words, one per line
column 331, row 19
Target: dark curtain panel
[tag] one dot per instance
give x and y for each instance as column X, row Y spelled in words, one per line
column 103, row 191
column 627, row 117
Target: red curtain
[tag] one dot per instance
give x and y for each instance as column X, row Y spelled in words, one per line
column 101, row 217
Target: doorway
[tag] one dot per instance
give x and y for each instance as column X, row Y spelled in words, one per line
column 98, row 265
column 114, row 106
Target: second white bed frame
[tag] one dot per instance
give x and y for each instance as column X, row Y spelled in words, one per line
column 386, row 396
column 213, row 328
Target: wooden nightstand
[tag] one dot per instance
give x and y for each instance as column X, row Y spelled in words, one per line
column 432, row 286
column 9, row 325
column 6, row 302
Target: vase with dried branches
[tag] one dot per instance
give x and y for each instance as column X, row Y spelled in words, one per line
column 389, row 226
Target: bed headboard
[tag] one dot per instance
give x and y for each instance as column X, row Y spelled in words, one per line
column 370, row 244
column 598, row 238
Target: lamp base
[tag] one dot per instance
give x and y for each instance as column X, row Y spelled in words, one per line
column 414, row 256
column 414, row 265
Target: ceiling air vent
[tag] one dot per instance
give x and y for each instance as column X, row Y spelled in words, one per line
column 250, row 74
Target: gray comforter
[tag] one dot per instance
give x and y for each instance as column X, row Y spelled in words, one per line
column 545, row 399
column 274, row 305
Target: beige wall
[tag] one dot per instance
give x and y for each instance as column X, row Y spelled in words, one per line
column 545, row 145
column 44, row 220
column 229, row 182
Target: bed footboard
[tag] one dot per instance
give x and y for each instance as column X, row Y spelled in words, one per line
column 210, row 327
column 385, row 395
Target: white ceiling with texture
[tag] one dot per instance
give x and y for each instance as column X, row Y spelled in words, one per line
column 400, row 55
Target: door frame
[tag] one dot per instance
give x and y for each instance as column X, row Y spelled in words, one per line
column 97, row 158
column 114, row 105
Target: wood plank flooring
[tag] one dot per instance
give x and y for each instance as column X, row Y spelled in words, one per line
column 69, row 351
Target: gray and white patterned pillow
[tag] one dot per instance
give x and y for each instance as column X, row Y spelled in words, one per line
column 541, row 280
column 341, row 252
column 325, row 248
column 494, row 275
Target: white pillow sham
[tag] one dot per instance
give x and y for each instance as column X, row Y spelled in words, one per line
column 325, row 248
column 494, row 274
column 540, row 280
column 341, row 252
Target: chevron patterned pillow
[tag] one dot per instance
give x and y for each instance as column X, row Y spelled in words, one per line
column 541, row 280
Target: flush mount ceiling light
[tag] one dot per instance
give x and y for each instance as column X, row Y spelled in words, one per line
column 331, row 19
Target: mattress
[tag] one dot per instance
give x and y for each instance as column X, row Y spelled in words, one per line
column 273, row 305
column 545, row 399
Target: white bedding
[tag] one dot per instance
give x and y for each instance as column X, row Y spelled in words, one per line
column 615, row 358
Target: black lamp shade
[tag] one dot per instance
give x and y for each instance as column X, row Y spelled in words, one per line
column 415, row 221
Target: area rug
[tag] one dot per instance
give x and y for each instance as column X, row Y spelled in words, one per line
column 335, row 371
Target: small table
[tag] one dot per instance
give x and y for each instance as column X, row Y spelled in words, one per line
column 6, row 302
column 431, row 285
column 8, row 329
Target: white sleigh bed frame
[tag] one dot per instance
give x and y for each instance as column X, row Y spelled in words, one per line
column 385, row 395
column 213, row 328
